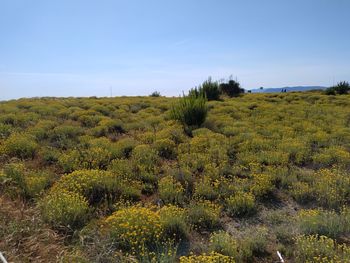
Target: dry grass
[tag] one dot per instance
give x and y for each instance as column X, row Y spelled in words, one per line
column 23, row 237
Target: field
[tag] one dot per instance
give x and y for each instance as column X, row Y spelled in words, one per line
column 117, row 180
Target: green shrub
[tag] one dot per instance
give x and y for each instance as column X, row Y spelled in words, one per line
column 206, row 189
column 208, row 89
column 92, row 158
column 166, row 148
column 64, row 210
column 5, row 130
column 240, row 204
column 253, row 243
column 134, row 228
column 342, row 87
column 204, row 215
column 49, row 155
column 231, row 88
column 223, row 243
column 302, row 192
column 316, row 249
column 155, row 94
column 109, row 126
column 262, row 185
column 191, row 111
column 170, row 191
column 331, row 156
column 145, row 157
column 25, row 182
column 329, row 188
column 124, row 147
column 173, row 220
column 94, row 185
column 213, row 257
column 20, row 145
column 327, row 223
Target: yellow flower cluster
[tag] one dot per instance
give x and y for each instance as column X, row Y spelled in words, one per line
column 213, row 257
column 134, row 228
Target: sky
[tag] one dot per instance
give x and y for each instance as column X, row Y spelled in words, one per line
column 134, row 47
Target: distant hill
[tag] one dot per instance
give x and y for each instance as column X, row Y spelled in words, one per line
column 289, row 89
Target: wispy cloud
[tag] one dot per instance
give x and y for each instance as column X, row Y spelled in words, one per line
column 179, row 43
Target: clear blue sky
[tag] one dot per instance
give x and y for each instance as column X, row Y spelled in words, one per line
column 83, row 47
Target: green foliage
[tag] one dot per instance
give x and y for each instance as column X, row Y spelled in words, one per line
column 329, row 188
column 251, row 153
column 208, row 89
column 342, row 87
column 327, row 223
column 166, row 148
column 145, row 157
column 155, row 94
column 64, row 210
column 27, row 183
column 254, row 243
column 124, row 147
column 232, row 88
column 204, row 215
column 316, row 249
column 240, row 204
column 19, row 145
column 190, row 110
column 173, row 220
column 94, row 185
column 170, row 191
column 134, row 229
column 223, row 243
column 92, row 158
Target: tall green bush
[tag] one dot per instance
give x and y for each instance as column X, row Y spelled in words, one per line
column 190, row 110
column 209, row 89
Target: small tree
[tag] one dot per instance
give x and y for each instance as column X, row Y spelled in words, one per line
column 342, row 87
column 232, row 88
column 155, row 94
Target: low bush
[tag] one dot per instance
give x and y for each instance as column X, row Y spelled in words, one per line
column 240, row 204
column 262, row 185
column 20, row 145
column 91, row 158
column 253, row 243
column 124, row 147
column 173, row 220
column 170, row 191
column 206, row 189
column 145, row 157
column 327, row 223
column 223, row 243
column 204, row 215
column 64, row 210
column 94, row 185
column 134, row 229
column 27, row 183
column 166, row 148
column 212, row 257
column 320, row 249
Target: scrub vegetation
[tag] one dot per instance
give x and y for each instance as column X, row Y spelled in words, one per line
column 214, row 176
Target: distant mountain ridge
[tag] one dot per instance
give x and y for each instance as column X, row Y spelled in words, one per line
column 288, row 89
